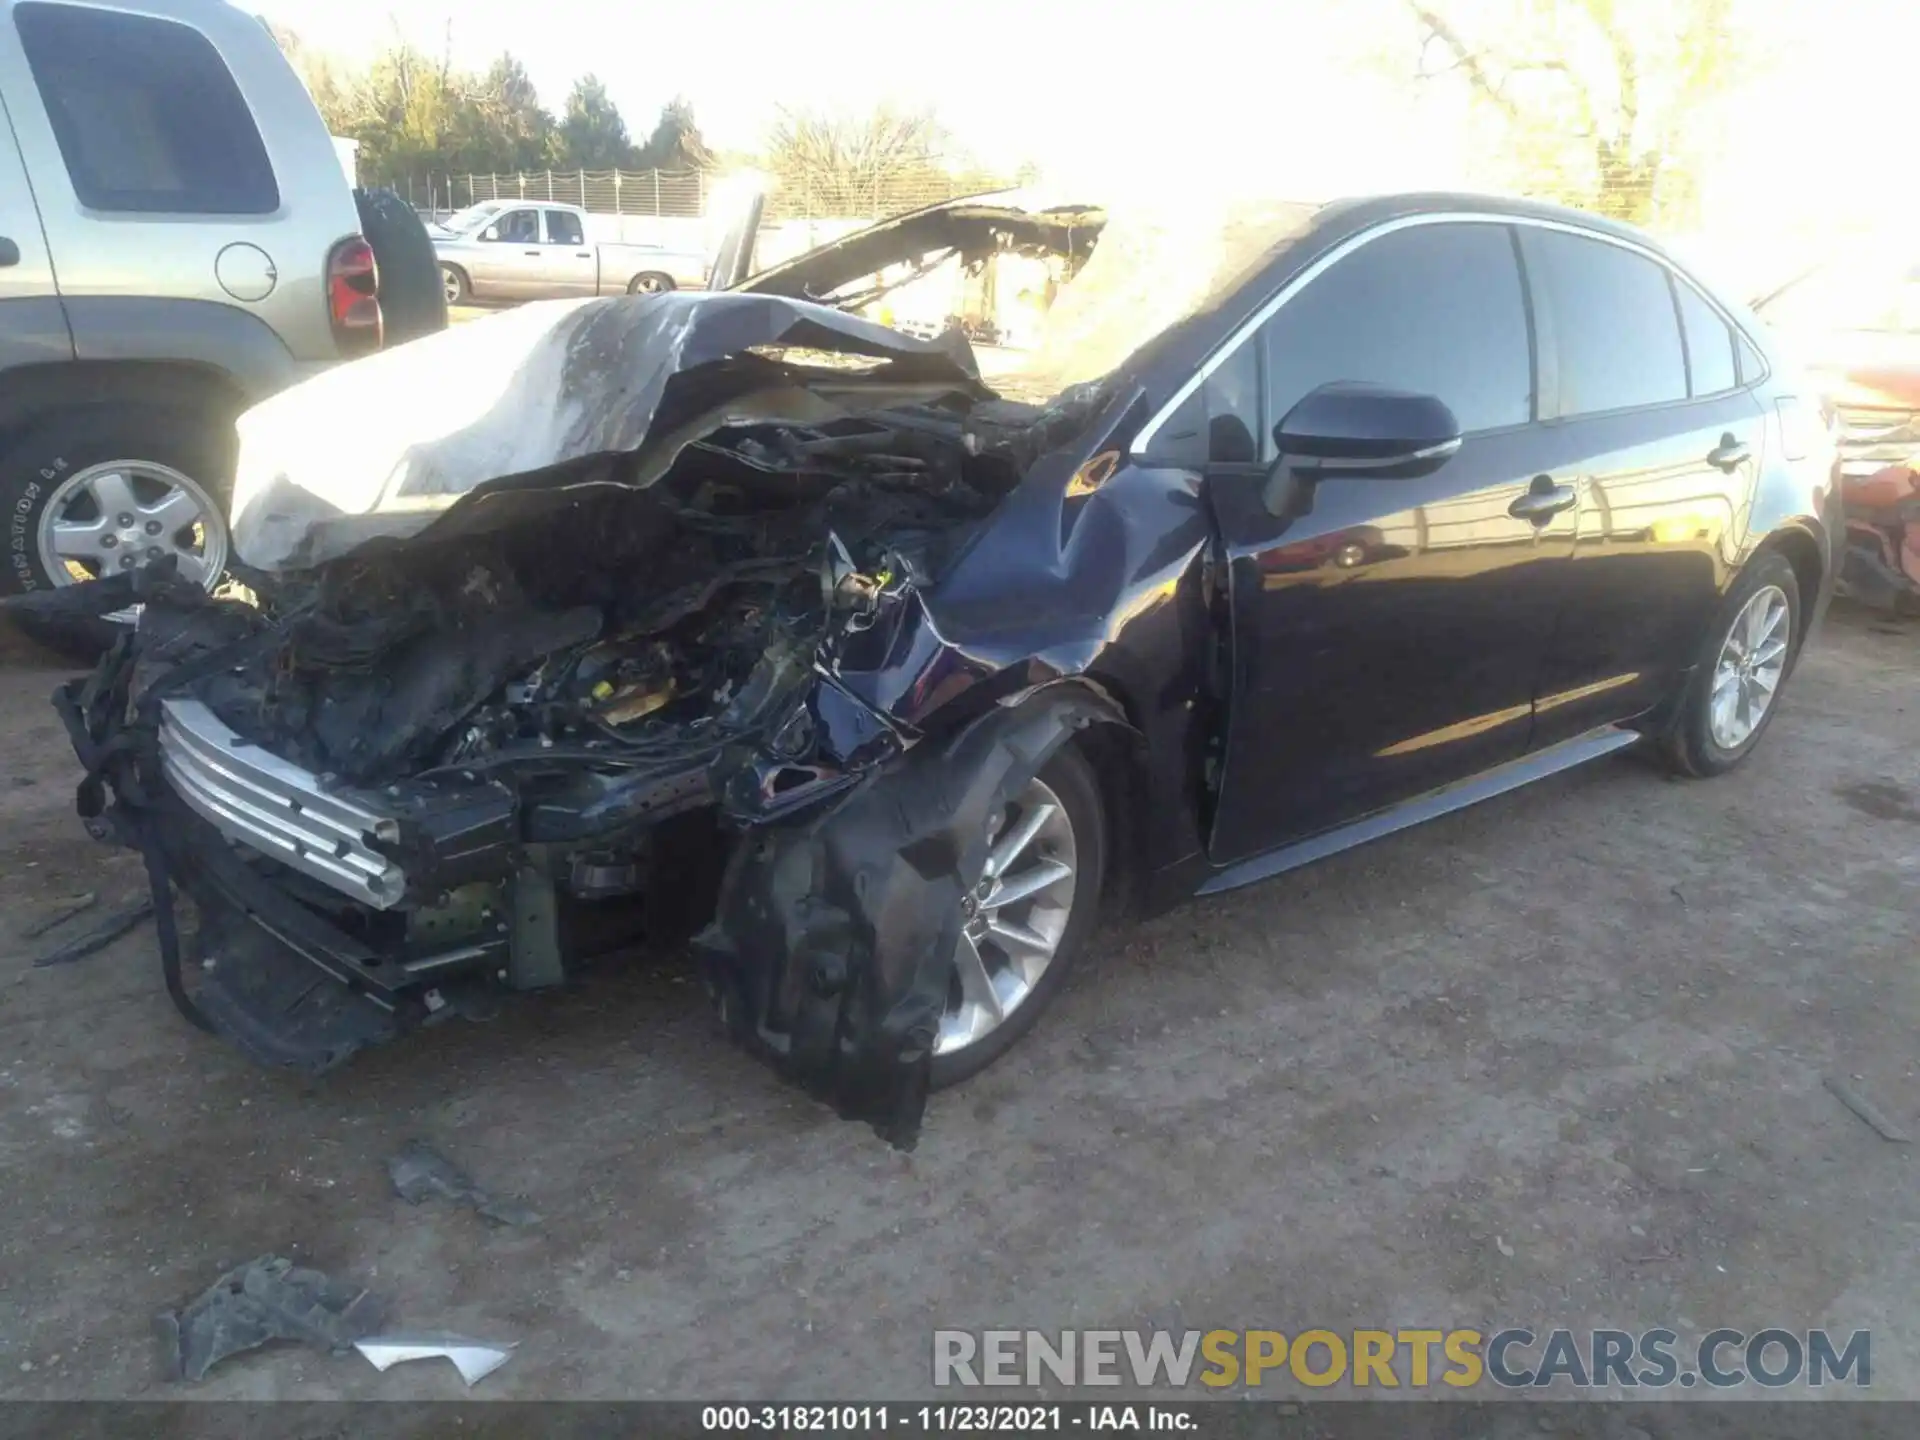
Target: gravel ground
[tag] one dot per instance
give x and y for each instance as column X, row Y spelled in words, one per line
column 1558, row 1060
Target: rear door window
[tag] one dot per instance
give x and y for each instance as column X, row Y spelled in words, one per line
column 1710, row 362
column 146, row 113
column 563, row 228
column 1432, row 309
column 1615, row 332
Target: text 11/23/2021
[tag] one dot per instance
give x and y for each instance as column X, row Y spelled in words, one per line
column 943, row 1419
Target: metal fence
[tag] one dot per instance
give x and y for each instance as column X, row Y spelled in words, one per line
column 683, row 194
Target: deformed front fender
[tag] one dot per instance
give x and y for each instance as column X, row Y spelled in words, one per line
column 831, row 949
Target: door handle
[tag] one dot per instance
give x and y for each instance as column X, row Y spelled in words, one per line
column 1730, row 454
column 583, row 254
column 1543, row 500
column 9, row 252
column 534, row 253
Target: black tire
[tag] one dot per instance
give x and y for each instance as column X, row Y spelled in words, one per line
column 651, row 283
column 199, row 445
column 412, row 303
column 1071, row 778
column 1688, row 746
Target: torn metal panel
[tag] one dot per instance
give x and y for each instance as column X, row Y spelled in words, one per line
column 517, row 394
column 968, row 227
column 832, row 946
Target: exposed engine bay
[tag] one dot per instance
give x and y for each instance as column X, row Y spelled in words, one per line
column 624, row 630
column 471, row 755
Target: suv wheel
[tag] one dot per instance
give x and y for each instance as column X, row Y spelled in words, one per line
column 94, row 492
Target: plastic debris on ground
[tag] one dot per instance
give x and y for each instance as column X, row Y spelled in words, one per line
column 70, row 907
column 266, row 1299
column 98, row 938
column 475, row 1359
column 420, row 1173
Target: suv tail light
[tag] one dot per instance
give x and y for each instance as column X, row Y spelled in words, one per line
column 353, row 297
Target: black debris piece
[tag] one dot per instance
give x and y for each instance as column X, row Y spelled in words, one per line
column 266, row 1299
column 98, row 938
column 419, row 1173
column 70, row 907
column 1867, row 1111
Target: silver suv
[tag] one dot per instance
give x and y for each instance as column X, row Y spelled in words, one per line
column 177, row 241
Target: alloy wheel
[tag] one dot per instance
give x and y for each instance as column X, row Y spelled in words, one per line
column 1014, row 921
column 126, row 514
column 1753, row 659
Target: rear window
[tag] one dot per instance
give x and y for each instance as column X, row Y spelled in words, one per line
column 147, row 115
column 1710, row 362
column 1614, row 319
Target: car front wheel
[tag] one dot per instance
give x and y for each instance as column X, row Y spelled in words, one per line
column 1026, row 919
column 1739, row 671
column 453, row 284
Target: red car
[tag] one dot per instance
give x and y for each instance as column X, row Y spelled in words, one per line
column 1856, row 325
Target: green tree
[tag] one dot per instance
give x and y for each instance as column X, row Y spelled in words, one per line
column 592, row 135
column 675, row 143
column 1605, row 104
column 509, row 129
column 416, row 116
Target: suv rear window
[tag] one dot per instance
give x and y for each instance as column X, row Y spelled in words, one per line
column 147, row 114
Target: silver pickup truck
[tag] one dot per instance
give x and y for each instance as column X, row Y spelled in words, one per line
column 518, row 250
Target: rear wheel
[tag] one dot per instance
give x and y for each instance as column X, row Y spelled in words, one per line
column 651, row 283
column 1028, row 917
column 1739, row 672
column 94, row 492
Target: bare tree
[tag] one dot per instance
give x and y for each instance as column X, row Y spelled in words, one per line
column 857, row 165
column 1603, row 101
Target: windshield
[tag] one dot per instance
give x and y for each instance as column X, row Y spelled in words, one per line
column 462, row 222
column 1157, row 264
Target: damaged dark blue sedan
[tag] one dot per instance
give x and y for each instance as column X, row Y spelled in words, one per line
column 742, row 618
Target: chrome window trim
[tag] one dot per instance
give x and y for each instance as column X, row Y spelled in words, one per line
column 1413, row 457
column 1251, row 326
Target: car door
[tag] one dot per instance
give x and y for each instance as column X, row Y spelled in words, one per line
column 1645, row 408
column 568, row 265
column 1388, row 640
column 507, row 255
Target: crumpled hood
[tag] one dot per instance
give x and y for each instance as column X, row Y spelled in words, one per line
column 384, row 447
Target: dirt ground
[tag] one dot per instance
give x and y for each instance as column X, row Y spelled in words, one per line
column 1557, row 1060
